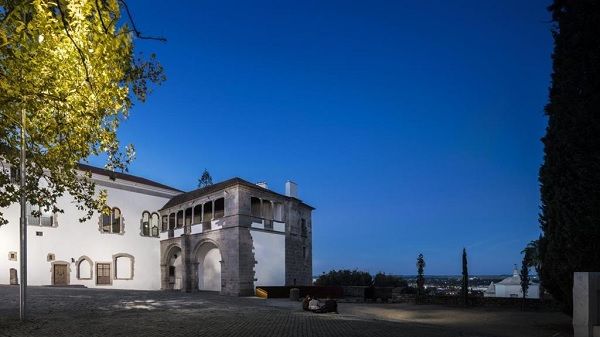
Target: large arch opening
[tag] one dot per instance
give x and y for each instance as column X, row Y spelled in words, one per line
column 174, row 268
column 208, row 260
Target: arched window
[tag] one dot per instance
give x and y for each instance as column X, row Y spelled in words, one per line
column 123, row 264
column 111, row 221
column 105, row 220
column 116, row 221
column 154, row 221
column 146, row 223
column 84, row 268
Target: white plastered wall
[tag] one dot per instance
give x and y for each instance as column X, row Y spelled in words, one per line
column 72, row 239
column 269, row 253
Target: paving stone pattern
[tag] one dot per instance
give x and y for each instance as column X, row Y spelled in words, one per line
column 99, row 312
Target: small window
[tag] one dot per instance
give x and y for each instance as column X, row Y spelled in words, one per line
column 304, row 228
column 154, row 221
column 116, row 220
column 12, row 256
column 50, row 257
column 15, row 175
column 219, row 208
column 106, row 220
column 146, row 223
column 39, row 233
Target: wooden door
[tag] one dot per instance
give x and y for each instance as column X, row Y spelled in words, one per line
column 60, row 274
column 103, row 273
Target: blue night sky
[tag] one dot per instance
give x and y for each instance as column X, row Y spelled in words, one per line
column 411, row 126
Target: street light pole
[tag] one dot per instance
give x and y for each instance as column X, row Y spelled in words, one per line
column 23, row 227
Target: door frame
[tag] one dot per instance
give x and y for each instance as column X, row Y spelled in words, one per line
column 63, row 263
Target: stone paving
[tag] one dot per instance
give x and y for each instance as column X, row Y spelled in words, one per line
column 99, row 312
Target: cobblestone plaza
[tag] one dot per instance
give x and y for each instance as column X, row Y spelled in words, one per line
column 97, row 312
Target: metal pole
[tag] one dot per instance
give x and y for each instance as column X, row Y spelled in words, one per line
column 23, row 231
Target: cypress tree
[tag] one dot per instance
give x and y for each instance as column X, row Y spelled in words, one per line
column 420, row 277
column 465, row 278
column 525, row 277
column 570, row 175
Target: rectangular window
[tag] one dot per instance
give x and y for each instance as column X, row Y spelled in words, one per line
column 304, row 228
column 15, row 175
column 103, row 273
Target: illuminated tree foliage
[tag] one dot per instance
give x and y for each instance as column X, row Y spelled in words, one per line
column 69, row 66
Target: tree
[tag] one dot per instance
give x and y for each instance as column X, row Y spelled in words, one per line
column 569, row 176
column 532, row 252
column 465, row 278
column 205, row 179
column 420, row 276
column 68, row 68
column 345, row 277
column 383, row 280
column 525, row 276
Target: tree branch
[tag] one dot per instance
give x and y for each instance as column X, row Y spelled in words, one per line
column 138, row 34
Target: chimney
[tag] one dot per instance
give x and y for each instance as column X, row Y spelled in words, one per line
column 263, row 184
column 291, row 189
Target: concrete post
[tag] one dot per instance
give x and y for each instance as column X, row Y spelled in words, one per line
column 586, row 304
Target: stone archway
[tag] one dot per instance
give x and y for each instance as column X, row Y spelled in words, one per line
column 174, row 270
column 208, row 271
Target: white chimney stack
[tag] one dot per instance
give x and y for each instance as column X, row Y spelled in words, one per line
column 263, row 184
column 291, row 189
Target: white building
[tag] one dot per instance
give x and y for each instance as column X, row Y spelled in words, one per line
column 123, row 250
column 511, row 287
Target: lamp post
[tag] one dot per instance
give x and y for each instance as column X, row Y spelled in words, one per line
column 23, row 227
column 23, row 221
